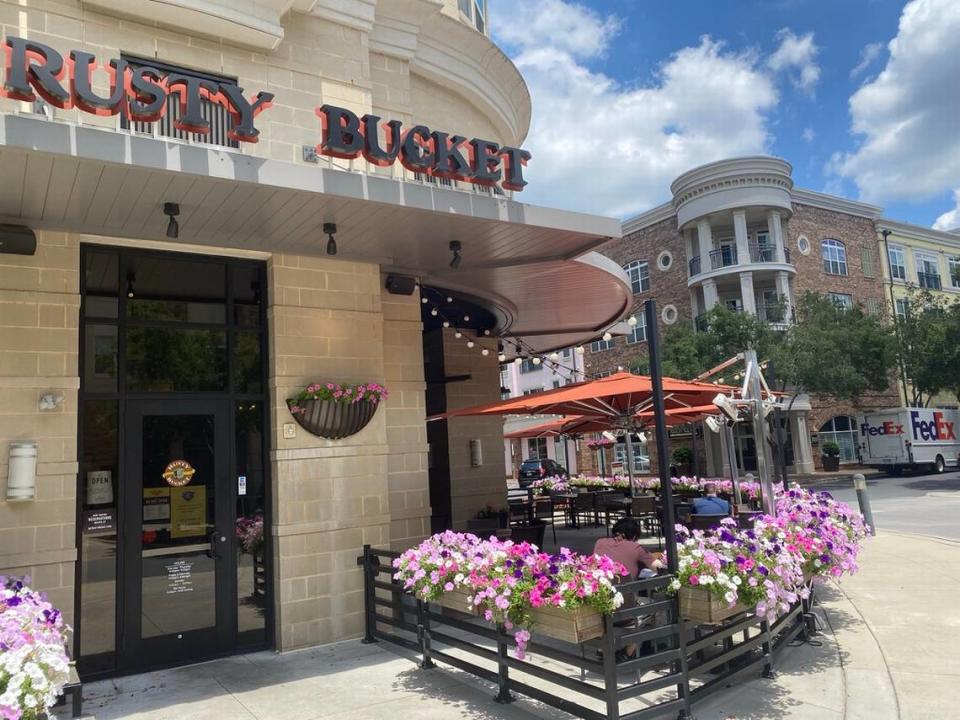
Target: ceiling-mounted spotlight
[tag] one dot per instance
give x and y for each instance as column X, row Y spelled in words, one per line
column 131, row 279
column 727, row 406
column 330, row 229
column 171, row 210
column 455, row 248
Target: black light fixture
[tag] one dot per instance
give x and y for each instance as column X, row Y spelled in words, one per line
column 171, row 210
column 131, row 278
column 331, row 229
column 455, row 248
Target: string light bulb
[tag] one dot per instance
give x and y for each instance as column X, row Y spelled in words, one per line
column 433, row 312
column 537, row 361
column 579, row 350
column 470, row 343
column 517, row 361
column 555, row 356
column 484, row 352
column 466, row 318
column 424, row 300
column 632, row 321
column 607, row 337
column 446, row 323
column 449, row 299
column 501, row 357
column 458, row 334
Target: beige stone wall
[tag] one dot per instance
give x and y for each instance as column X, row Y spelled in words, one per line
column 39, row 305
column 473, row 488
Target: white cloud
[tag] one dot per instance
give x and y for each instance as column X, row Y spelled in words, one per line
column 808, row 134
column 908, row 115
column 868, row 54
column 950, row 220
column 797, row 56
column 605, row 147
column 565, row 26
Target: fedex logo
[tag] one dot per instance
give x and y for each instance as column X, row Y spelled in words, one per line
column 887, row 428
column 936, row 429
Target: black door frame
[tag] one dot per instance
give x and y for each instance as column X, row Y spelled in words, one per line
column 240, row 641
column 137, row 653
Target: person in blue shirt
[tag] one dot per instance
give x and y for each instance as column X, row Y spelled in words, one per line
column 711, row 504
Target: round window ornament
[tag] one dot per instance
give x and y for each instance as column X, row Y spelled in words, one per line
column 178, row 473
column 669, row 314
column 665, row 260
column 803, row 245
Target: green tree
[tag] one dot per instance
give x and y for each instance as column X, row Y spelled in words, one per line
column 929, row 344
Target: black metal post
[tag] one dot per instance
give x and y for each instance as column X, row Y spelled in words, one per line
column 682, row 665
column 369, row 622
column 667, row 519
column 778, row 428
column 423, row 631
column 610, row 680
column 767, row 649
column 503, row 672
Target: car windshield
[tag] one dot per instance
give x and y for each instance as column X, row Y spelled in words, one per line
column 531, row 464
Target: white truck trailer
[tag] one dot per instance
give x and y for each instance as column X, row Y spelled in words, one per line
column 910, row 438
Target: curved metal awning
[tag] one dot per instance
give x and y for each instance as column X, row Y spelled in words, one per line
column 533, row 265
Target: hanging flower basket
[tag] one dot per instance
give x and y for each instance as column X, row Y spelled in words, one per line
column 701, row 606
column 335, row 411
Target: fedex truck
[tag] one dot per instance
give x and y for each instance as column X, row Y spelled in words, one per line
column 910, row 438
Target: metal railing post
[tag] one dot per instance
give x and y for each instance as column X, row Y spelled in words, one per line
column 610, row 669
column 423, row 635
column 768, row 670
column 369, row 622
column 503, row 671
column 683, row 687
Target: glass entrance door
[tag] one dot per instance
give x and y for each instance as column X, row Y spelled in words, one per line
column 179, row 562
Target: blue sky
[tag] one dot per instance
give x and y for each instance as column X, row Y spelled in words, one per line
column 861, row 96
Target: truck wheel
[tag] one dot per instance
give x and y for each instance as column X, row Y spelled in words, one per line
column 939, row 466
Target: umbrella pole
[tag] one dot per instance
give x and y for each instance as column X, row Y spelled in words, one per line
column 660, row 422
column 633, row 491
column 731, row 449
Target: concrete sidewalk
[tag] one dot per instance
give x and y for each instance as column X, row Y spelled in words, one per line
column 888, row 650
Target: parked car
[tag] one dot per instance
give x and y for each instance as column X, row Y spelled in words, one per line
column 531, row 470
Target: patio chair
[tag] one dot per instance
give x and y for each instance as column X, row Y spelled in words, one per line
column 532, row 534
column 483, row 527
column 562, row 503
column 644, row 511
column 706, row 521
column 543, row 511
column 582, row 505
column 611, row 502
column 745, row 518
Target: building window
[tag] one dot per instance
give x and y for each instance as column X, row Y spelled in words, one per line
column 217, row 115
column 537, row 448
column 639, row 332
column 842, row 431
column 639, row 272
column 527, row 366
column 464, row 6
column 602, row 374
column 901, row 308
column 834, row 257
column 953, row 267
column 866, row 262
column 665, row 260
column 480, row 15
column 532, row 391
column 898, row 263
column 928, row 271
column 641, row 461
column 601, row 345
column 567, row 352
column 841, row 300
column 873, row 307
column 556, row 384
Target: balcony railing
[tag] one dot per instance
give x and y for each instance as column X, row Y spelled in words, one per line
column 727, row 257
column 931, row 281
column 773, row 313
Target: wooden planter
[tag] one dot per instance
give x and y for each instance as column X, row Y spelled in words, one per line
column 831, row 463
column 457, row 600
column 575, row 626
column 333, row 420
column 704, row 608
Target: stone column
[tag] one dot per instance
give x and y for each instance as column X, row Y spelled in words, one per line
column 705, row 239
column 775, row 228
column 746, row 293
column 783, row 290
column 710, row 295
column 740, row 232
column 695, row 303
column 802, row 451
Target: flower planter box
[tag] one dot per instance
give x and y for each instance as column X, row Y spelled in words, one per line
column 334, row 420
column 831, row 463
column 704, row 608
column 457, row 600
column 575, row 625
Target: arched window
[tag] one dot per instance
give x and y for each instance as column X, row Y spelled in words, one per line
column 834, row 257
column 639, row 272
column 842, row 430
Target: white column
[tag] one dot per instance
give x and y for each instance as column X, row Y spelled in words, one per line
column 710, row 295
column 716, row 465
column 695, row 302
column 705, row 240
column 802, row 452
column 740, row 232
column 775, row 229
column 783, row 290
column 746, row 293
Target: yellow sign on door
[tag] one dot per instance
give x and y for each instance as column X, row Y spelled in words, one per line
column 188, row 511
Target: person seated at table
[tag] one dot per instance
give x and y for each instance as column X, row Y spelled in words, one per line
column 710, row 504
column 624, row 549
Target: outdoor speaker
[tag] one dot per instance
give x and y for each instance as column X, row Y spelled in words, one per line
column 401, row 284
column 17, row 240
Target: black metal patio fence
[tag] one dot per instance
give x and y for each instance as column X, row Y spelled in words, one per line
column 679, row 664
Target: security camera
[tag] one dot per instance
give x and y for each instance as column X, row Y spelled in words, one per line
column 727, row 406
column 713, row 423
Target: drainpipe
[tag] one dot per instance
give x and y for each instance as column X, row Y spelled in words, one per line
column 896, row 321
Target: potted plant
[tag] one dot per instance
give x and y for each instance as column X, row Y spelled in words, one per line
column 683, row 459
column 335, row 411
column 831, row 456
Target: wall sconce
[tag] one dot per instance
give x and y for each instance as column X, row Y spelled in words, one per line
column 476, row 453
column 22, row 477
